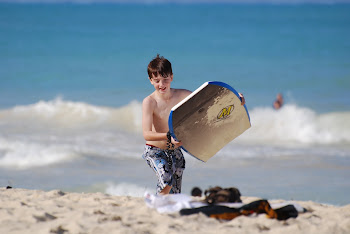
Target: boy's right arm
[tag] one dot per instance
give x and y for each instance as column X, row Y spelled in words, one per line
column 148, row 106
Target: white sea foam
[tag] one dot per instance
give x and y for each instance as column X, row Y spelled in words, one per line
column 69, row 115
column 22, row 154
column 50, row 132
column 125, row 189
column 293, row 124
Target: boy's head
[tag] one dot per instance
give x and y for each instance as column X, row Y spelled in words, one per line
column 159, row 66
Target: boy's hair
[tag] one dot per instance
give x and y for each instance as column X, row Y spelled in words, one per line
column 159, row 66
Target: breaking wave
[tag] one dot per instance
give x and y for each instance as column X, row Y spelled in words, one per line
column 49, row 132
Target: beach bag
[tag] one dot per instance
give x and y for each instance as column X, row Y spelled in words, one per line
column 218, row 194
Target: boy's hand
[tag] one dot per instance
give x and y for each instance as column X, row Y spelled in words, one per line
column 176, row 143
column 242, row 99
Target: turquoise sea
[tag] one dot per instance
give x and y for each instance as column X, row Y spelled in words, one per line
column 73, row 76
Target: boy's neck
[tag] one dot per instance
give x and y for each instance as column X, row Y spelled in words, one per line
column 166, row 96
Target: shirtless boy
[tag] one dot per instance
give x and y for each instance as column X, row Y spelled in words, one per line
column 162, row 152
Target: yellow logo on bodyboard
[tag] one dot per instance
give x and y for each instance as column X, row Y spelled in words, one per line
column 225, row 112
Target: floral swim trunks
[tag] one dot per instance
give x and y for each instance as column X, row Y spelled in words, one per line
column 168, row 166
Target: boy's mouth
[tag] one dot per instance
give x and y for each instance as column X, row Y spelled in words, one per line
column 162, row 89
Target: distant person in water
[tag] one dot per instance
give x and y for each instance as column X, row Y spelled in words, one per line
column 278, row 103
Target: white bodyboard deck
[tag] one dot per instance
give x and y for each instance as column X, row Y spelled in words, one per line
column 208, row 119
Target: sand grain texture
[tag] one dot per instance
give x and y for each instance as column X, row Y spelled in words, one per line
column 34, row 211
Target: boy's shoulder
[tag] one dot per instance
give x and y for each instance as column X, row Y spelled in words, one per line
column 182, row 92
column 149, row 99
column 178, row 94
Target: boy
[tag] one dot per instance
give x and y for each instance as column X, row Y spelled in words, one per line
column 162, row 152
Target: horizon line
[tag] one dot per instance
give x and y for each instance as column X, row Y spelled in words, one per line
column 184, row 2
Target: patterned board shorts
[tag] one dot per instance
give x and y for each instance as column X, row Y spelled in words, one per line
column 168, row 166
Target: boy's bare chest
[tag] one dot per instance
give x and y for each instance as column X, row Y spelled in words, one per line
column 161, row 114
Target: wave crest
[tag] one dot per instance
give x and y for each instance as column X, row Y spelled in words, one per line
column 294, row 124
column 74, row 115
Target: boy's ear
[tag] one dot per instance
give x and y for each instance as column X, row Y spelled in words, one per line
column 150, row 80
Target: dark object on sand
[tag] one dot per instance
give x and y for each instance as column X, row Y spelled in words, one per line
column 196, row 192
column 8, row 187
column 218, row 194
column 258, row 207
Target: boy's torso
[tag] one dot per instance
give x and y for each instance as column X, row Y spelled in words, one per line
column 161, row 114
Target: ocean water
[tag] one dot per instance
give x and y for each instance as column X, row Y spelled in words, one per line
column 73, row 76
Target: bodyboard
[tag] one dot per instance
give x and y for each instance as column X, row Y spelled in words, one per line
column 208, row 119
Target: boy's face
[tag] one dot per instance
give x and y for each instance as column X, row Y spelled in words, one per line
column 161, row 84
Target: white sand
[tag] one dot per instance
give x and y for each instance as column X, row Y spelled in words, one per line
column 31, row 211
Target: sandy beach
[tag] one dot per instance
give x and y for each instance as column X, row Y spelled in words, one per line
column 35, row 211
